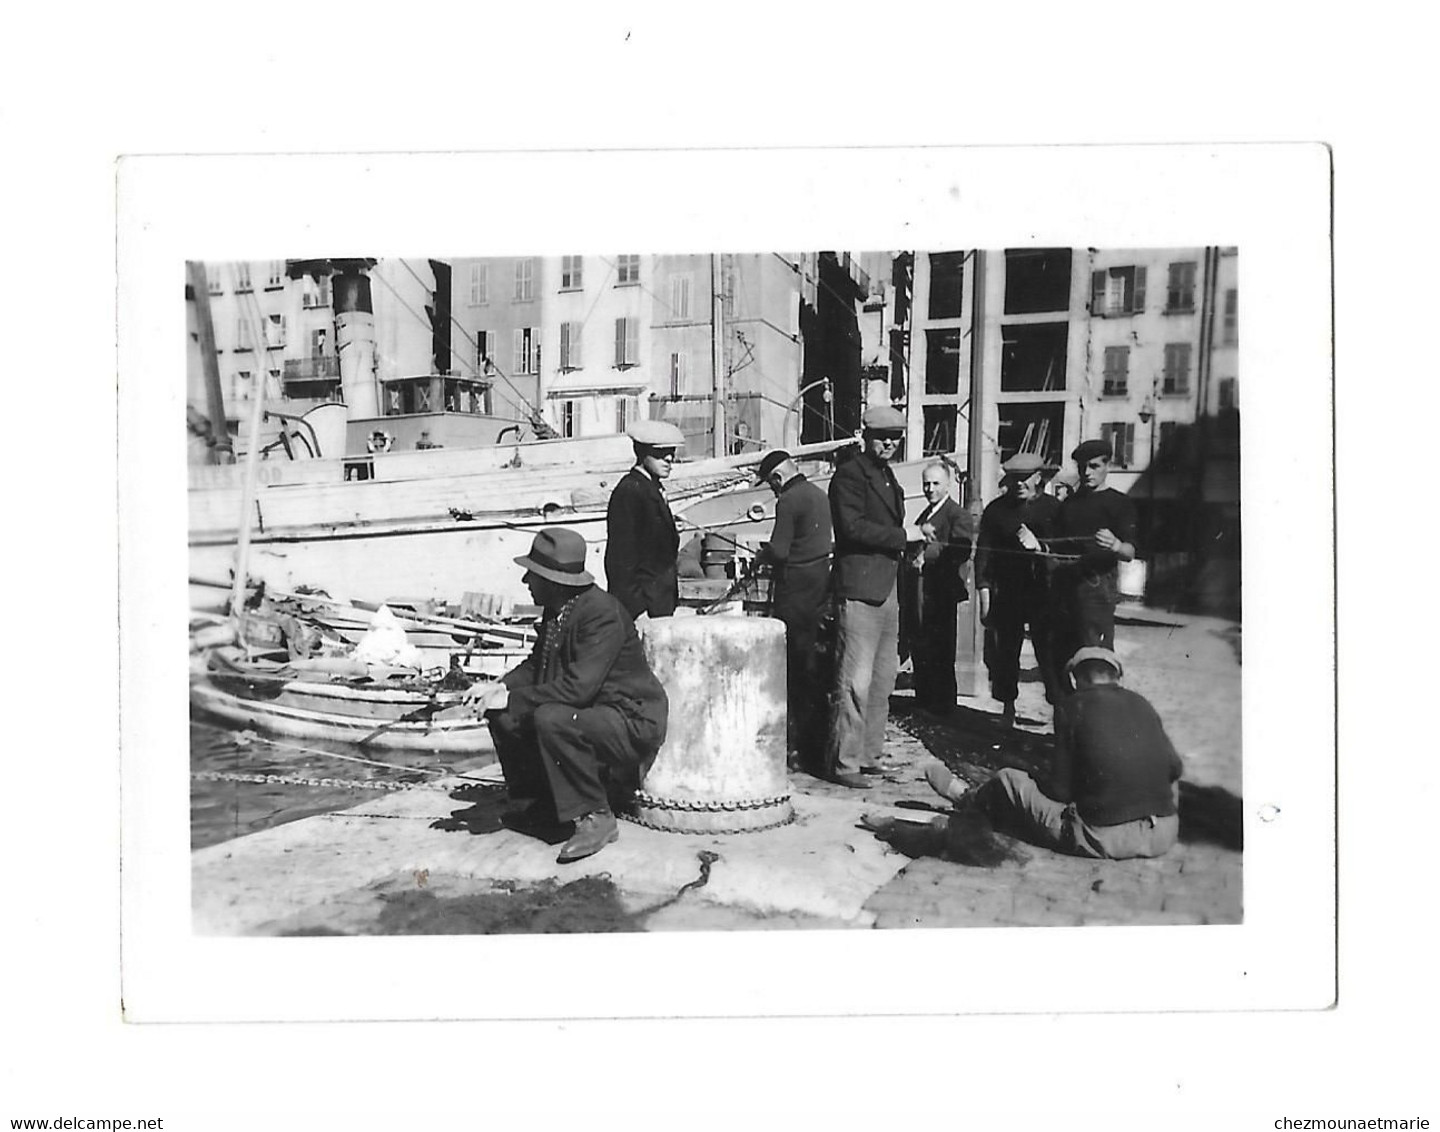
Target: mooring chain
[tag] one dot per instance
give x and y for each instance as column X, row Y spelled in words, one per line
column 710, row 807
column 636, row 819
column 297, row 780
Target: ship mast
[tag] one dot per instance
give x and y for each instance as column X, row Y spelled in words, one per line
column 717, row 360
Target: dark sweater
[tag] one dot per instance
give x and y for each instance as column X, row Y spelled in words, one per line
column 1112, row 756
column 801, row 535
column 1080, row 517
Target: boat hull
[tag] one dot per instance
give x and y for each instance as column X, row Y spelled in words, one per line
column 444, row 559
column 312, row 710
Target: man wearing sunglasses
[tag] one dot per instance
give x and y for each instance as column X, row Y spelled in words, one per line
column 867, row 506
column 642, row 544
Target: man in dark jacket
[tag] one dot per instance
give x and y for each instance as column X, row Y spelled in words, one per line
column 1012, row 581
column 1111, row 791
column 1094, row 533
column 799, row 555
column 642, row 543
column 933, row 588
column 581, row 719
column 867, row 506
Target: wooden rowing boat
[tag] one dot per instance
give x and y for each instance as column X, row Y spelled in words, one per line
column 410, row 714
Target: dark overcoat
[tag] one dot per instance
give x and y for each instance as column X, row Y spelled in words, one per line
column 867, row 507
column 595, row 660
column 641, row 547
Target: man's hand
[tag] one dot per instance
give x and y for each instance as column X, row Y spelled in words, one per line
column 984, row 605
column 927, row 532
column 1027, row 538
column 489, row 696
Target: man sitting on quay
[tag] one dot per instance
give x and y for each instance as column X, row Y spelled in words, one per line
column 579, row 722
column 1111, row 791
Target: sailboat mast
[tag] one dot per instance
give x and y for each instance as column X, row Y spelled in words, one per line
column 247, row 499
column 221, row 452
column 717, row 359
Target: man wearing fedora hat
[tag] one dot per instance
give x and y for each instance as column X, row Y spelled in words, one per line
column 799, row 555
column 642, row 544
column 867, row 507
column 1012, row 581
column 1111, row 789
column 580, row 720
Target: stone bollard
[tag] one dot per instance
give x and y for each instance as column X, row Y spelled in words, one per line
column 722, row 767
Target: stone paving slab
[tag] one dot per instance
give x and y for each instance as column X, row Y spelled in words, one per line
column 820, row 866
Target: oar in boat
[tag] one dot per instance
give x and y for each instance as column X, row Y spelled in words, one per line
column 421, row 714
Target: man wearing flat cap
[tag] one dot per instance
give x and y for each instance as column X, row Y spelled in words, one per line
column 642, row 543
column 1111, row 789
column 578, row 723
column 1013, row 583
column 1094, row 533
column 799, row 556
column 867, row 507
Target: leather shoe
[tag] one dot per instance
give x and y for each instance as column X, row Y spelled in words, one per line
column 593, row 831
column 854, row 781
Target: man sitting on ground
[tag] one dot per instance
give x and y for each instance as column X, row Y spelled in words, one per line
column 1112, row 788
column 580, row 720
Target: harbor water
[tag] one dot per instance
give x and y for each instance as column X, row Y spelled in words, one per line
column 242, row 781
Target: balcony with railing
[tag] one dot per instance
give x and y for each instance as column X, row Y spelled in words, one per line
column 311, row 369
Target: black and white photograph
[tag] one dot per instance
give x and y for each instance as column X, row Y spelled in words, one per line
column 822, row 598
column 617, row 592
column 627, row 564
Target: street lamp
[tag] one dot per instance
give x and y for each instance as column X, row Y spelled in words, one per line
column 795, row 404
column 1148, row 416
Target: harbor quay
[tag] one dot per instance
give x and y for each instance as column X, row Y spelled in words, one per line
column 435, row 858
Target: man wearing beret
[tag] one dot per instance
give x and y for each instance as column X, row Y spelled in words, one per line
column 1094, row 533
column 799, row 554
column 1012, row 580
column 867, row 507
column 1111, row 789
column 580, row 720
column 642, row 544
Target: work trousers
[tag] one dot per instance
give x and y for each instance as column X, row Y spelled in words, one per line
column 1085, row 614
column 1016, row 803
column 933, row 652
column 866, row 657
column 802, row 595
column 1011, row 613
column 580, row 758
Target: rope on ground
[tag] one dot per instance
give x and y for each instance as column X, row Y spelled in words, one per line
column 707, row 858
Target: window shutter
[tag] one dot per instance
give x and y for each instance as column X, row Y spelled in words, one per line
column 564, row 345
column 619, row 342
column 632, row 341
column 1097, row 292
column 520, row 359
column 1139, row 304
